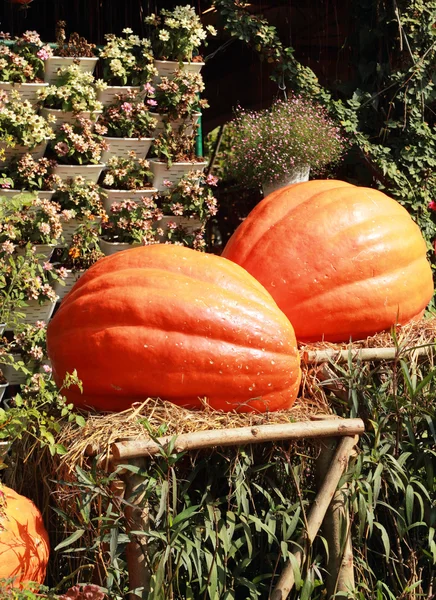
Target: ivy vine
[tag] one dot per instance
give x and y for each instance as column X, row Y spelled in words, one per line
column 390, row 115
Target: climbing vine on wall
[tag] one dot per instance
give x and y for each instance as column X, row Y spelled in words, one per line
column 390, row 115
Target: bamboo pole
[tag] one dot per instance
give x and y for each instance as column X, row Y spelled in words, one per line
column 136, row 513
column 316, row 515
column 237, row 436
column 336, row 530
column 365, row 354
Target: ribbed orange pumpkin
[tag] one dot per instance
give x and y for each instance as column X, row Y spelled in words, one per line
column 169, row 322
column 341, row 261
column 24, row 546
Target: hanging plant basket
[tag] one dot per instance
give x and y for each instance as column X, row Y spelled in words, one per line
column 27, row 91
column 122, row 146
column 162, row 173
column 112, row 196
column 18, row 151
column 71, row 118
column 175, row 125
column 189, row 225
column 70, row 280
column 69, row 228
column 89, row 172
column 109, row 248
column 54, row 63
column 168, row 68
column 107, row 96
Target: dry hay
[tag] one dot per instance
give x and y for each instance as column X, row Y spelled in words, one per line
column 102, row 430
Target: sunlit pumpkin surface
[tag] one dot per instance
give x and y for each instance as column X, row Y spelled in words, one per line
column 169, row 322
column 24, row 546
column 341, row 261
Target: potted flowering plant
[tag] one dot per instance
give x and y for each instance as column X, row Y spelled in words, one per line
column 279, row 145
column 79, row 201
column 177, row 99
column 74, row 94
column 22, row 64
column 25, row 174
column 127, row 64
column 26, row 218
column 126, row 178
column 82, row 252
column 21, row 129
column 26, row 292
column 78, row 150
column 130, row 223
column 186, row 207
column 77, row 50
column 129, row 125
column 174, row 155
column 25, row 354
column 177, row 36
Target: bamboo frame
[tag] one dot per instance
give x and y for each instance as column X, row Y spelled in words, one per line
column 364, row 354
column 126, row 450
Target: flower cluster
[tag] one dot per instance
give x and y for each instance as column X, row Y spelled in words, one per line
column 178, row 235
column 175, row 146
column 30, row 341
column 84, row 250
column 79, row 144
column 132, row 222
column 127, row 60
column 75, row 91
column 25, row 218
column 26, row 173
column 127, row 173
column 268, row 144
column 79, row 198
column 191, row 197
column 178, row 98
column 177, row 34
column 76, row 46
column 128, row 117
column 19, row 123
column 23, row 61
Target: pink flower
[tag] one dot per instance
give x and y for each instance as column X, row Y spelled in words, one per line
column 5, row 185
column 211, row 179
column 8, row 247
column 46, row 368
column 167, row 183
column 126, row 107
column 151, row 102
column 47, row 266
column 43, row 54
column 432, row 205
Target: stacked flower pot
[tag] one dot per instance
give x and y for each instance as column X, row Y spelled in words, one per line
column 90, row 167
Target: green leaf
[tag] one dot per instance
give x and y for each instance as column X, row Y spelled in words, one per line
column 70, row 539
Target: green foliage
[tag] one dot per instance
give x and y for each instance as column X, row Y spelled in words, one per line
column 388, row 112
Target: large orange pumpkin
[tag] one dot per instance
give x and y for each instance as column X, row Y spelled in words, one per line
column 341, row 261
column 24, row 546
column 169, row 322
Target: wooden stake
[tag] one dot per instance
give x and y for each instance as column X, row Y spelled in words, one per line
column 365, row 354
column 316, row 515
column 238, row 436
column 136, row 513
column 336, row 530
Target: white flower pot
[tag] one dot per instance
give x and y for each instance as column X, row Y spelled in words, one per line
column 45, row 250
column 17, row 151
column 298, row 175
column 72, row 277
column 189, row 225
column 3, row 387
column 109, row 248
column 13, row 376
column 42, row 195
column 122, row 195
column 168, row 68
column 71, row 118
column 161, row 173
column 69, row 228
column 27, row 91
column 175, row 125
column 54, row 63
column 107, row 96
column 38, row 312
column 89, row 172
column 122, row 147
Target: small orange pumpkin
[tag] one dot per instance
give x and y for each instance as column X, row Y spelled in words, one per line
column 24, row 545
column 341, row 261
column 169, row 322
